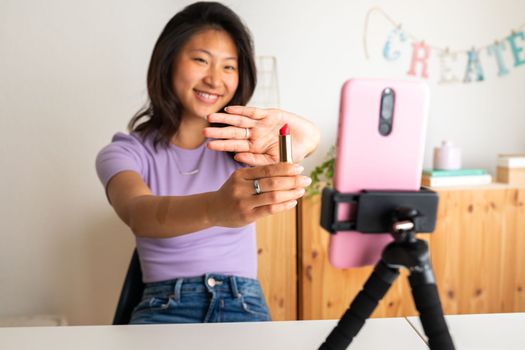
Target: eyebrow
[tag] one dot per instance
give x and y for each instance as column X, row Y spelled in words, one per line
column 210, row 54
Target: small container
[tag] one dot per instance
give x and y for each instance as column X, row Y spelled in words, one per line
column 447, row 157
column 511, row 169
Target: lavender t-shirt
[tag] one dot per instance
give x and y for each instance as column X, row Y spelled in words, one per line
column 223, row 250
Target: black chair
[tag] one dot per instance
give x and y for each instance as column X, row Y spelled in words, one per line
column 131, row 293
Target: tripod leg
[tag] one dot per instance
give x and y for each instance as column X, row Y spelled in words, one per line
column 428, row 305
column 361, row 307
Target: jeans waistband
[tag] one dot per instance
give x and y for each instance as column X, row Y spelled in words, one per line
column 210, row 282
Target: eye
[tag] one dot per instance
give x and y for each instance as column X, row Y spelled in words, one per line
column 230, row 68
column 200, row 60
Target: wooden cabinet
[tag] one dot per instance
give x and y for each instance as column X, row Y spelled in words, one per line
column 277, row 259
column 477, row 252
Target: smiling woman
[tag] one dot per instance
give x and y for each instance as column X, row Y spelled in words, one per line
column 173, row 180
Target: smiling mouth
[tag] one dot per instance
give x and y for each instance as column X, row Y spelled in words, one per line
column 206, row 96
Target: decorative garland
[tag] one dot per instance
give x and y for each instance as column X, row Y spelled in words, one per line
column 398, row 38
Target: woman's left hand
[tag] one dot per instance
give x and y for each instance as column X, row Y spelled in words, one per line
column 253, row 134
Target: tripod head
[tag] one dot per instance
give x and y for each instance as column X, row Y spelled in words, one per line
column 403, row 224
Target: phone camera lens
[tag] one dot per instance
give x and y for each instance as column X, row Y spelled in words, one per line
column 385, row 128
column 388, row 100
column 386, row 113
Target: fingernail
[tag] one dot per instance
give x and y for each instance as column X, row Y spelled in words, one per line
column 298, row 168
column 305, row 181
column 292, row 204
column 300, row 191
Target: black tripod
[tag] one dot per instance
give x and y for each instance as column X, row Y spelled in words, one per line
column 405, row 251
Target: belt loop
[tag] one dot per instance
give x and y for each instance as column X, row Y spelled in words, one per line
column 177, row 289
column 233, row 285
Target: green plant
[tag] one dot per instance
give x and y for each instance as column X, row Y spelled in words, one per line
column 322, row 175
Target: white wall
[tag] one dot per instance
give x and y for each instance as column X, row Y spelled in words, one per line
column 73, row 72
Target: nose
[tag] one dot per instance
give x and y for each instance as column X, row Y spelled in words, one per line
column 213, row 76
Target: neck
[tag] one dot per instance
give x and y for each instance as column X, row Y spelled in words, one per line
column 191, row 133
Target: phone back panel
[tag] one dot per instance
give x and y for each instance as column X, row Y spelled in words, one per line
column 367, row 160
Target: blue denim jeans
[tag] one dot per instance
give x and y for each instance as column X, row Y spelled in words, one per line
column 208, row 298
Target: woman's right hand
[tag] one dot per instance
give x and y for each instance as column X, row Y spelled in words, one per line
column 236, row 204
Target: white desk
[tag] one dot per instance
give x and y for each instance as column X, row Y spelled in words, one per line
column 486, row 331
column 386, row 333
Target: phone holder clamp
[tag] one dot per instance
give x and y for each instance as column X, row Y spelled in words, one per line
column 374, row 210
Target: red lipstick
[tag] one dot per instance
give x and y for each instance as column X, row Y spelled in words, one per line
column 285, row 144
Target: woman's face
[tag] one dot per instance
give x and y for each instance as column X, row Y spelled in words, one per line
column 205, row 73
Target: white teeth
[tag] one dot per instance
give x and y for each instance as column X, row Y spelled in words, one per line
column 207, row 96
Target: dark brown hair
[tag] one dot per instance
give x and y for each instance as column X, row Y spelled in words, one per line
column 162, row 112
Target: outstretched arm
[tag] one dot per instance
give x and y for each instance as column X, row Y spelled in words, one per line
column 235, row 204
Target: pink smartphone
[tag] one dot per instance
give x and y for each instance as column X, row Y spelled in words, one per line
column 380, row 144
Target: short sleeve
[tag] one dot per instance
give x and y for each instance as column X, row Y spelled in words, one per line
column 125, row 152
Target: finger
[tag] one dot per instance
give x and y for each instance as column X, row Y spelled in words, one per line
column 276, row 197
column 270, row 184
column 232, row 119
column 255, row 159
column 279, row 169
column 229, row 132
column 252, row 112
column 274, row 208
column 229, row 145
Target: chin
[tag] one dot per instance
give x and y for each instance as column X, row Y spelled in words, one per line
column 205, row 112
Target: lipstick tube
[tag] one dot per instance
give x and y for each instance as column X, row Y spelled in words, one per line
column 285, row 145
